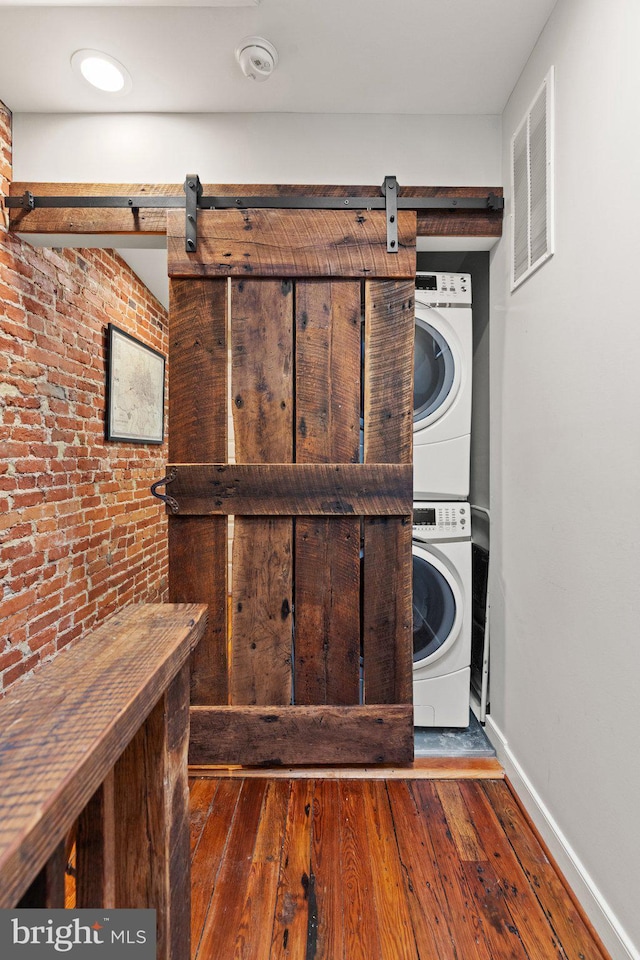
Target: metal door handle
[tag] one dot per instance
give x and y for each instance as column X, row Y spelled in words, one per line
column 170, row 502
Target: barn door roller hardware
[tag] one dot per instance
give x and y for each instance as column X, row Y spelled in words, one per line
column 390, row 192
column 194, row 200
column 193, row 193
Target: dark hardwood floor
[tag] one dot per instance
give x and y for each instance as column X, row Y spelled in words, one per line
column 374, row 869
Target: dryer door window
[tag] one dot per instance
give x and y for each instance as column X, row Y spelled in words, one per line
column 434, row 371
column 434, row 609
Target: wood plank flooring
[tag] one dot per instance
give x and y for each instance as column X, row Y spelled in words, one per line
column 374, row 869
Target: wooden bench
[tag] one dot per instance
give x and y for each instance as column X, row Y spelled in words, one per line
column 99, row 737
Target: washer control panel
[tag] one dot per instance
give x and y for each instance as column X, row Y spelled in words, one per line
column 439, row 288
column 441, row 520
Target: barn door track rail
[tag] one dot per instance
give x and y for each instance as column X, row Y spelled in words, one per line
column 194, row 200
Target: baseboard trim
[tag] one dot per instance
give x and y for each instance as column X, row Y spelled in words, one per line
column 422, row 768
column 596, row 908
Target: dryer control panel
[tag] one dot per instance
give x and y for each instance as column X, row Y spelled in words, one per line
column 436, row 289
column 441, row 520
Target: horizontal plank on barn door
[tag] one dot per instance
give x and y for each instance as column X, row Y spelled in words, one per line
column 262, row 404
column 292, row 489
column 292, row 243
column 327, row 551
column 388, row 438
column 289, row 735
column 198, row 432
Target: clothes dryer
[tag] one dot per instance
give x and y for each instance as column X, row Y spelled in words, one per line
column 442, row 386
column 442, row 614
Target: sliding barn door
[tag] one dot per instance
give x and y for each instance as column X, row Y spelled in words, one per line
column 301, row 324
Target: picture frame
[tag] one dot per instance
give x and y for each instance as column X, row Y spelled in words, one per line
column 135, row 389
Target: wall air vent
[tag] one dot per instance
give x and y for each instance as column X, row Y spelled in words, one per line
column 532, row 186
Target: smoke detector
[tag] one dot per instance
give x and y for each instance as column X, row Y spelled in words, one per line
column 257, row 57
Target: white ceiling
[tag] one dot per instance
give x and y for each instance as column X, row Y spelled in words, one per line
column 336, row 56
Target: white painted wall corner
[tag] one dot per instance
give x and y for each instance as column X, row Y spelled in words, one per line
column 596, row 907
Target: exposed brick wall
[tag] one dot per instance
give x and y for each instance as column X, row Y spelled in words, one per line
column 80, row 533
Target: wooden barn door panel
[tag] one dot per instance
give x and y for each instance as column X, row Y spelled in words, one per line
column 319, row 668
column 261, row 599
column 328, row 360
column 198, row 432
column 388, row 438
column 262, row 405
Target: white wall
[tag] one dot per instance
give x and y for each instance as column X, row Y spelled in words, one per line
column 257, row 148
column 249, row 148
column 565, row 451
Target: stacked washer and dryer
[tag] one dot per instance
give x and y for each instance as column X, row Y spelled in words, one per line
column 442, row 619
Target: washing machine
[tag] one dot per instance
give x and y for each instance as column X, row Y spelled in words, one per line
column 442, row 623
column 442, row 386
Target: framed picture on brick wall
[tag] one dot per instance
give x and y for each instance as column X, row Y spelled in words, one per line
column 135, row 389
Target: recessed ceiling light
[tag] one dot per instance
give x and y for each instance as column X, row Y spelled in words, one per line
column 101, row 71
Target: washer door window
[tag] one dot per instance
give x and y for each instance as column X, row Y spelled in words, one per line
column 436, row 608
column 436, row 374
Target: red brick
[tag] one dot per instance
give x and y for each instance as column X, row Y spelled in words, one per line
column 31, row 465
column 9, row 293
column 10, row 323
column 75, row 507
column 69, row 635
column 10, row 676
column 15, row 550
column 27, row 434
column 59, row 493
column 58, row 553
column 9, row 658
column 53, row 585
column 43, row 450
column 42, row 307
column 26, row 564
column 24, row 580
column 27, row 499
column 28, row 417
column 24, row 403
column 20, row 601
column 43, row 637
column 51, row 616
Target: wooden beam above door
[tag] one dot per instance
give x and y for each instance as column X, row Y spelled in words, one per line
column 153, row 221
